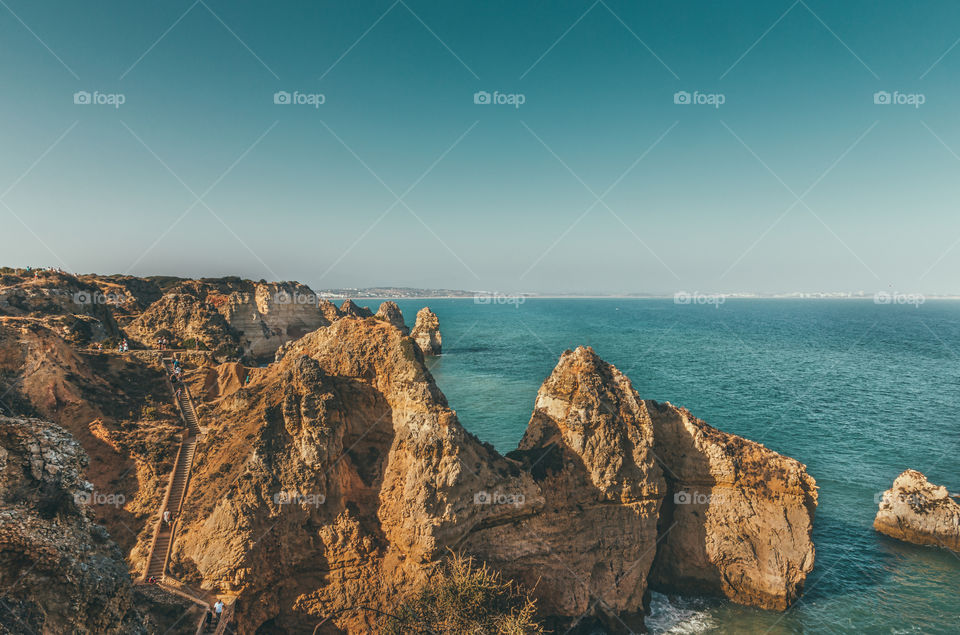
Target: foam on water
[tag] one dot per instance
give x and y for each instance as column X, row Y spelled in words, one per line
column 679, row 617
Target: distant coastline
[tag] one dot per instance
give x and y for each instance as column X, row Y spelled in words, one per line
column 413, row 293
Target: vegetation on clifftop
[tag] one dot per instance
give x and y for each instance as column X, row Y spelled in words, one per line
column 463, row 597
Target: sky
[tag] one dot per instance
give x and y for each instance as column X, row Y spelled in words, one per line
column 617, row 147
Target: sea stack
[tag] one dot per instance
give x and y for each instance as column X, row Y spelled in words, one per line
column 389, row 312
column 426, row 332
column 915, row 510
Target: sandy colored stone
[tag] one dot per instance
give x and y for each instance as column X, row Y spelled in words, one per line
column 426, row 332
column 915, row 510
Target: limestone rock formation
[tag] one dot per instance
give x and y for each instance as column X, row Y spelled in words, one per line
column 109, row 405
column 233, row 316
column 390, row 312
column 60, row 571
column 186, row 320
column 350, row 308
column 337, row 477
column 589, row 446
column 426, row 332
column 737, row 518
column 915, row 510
column 342, row 477
column 76, row 309
column 267, row 314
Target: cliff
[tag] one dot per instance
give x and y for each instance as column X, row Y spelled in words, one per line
column 234, row 317
column 915, row 510
column 60, row 572
column 331, row 483
column 339, row 477
column 737, row 517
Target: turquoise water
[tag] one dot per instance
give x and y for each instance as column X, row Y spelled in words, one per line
column 856, row 391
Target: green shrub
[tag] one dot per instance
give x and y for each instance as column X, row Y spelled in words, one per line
column 465, row 598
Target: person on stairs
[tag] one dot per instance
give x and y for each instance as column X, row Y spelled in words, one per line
column 166, row 517
column 218, row 609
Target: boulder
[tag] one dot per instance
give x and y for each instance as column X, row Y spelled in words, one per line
column 915, row 510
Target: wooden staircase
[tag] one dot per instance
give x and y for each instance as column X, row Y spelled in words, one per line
column 177, row 486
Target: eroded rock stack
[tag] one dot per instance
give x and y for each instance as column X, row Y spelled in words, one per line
column 915, row 510
column 426, row 332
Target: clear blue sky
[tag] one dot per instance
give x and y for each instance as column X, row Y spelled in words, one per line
column 503, row 199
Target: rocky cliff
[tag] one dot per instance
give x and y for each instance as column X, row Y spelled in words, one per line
column 338, row 478
column 426, row 332
column 60, row 572
column 332, row 482
column 235, row 317
column 917, row 511
column 737, row 517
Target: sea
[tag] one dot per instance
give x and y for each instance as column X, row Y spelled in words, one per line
column 857, row 391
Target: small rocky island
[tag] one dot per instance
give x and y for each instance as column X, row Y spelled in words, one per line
column 915, row 510
column 327, row 485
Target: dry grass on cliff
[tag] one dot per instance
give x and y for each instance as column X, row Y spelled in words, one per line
column 463, row 597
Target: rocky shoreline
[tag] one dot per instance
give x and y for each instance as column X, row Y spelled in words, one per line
column 336, row 478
